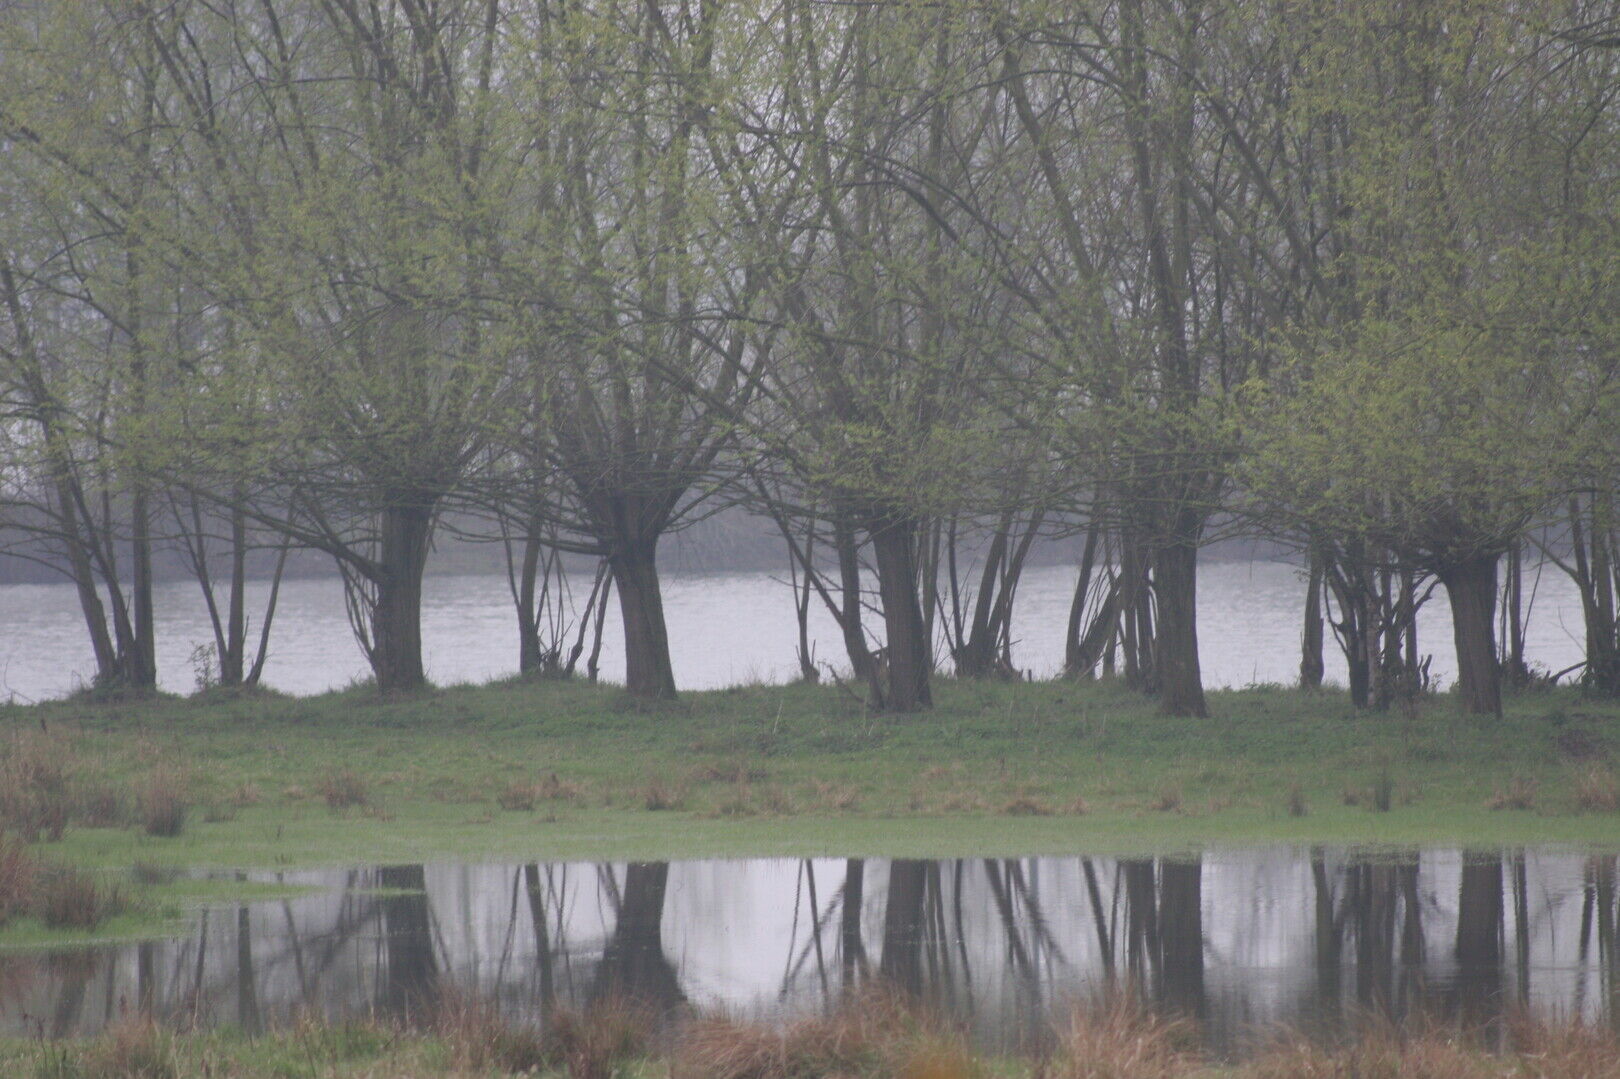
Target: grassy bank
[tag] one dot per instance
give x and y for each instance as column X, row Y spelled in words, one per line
column 553, row 770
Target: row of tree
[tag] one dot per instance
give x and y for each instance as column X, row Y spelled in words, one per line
column 920, row 281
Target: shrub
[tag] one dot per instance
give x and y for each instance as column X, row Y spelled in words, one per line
column 70, row 899
column 163, row 805
column 343, row 789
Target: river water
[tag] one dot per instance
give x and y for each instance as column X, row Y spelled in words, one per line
column 724, row 628
column 1249, row 942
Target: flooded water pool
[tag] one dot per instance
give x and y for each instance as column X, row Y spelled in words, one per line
column 1246, row 942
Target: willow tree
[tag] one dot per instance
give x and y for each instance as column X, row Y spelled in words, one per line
column 347, row 182
column 90, row 312
column 625, row 288
column 891, row 305
column 1436, row 416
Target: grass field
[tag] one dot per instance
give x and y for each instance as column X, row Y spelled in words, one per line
column 570, row 771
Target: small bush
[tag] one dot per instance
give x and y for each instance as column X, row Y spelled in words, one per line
column 70, row 899
column 1597, row 789
column 1520, row 794
column 163, row 806
column 343, row 789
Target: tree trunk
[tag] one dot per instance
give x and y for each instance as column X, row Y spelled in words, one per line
column 396, row 619
column 647, row 669
column 1311, row 667
column 849, row 619
column 140, row 667
column 894, row 545
column 1471, row 586
column 529, row 653
column 1175, row 586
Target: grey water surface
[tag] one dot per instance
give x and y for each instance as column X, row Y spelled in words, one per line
column 1246, row 942
column 724, row 629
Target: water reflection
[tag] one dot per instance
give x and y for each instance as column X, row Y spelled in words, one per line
column 1243, row 941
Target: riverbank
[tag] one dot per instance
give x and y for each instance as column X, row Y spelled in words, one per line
column 569, row 771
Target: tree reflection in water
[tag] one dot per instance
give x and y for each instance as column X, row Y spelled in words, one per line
column 1240, row 941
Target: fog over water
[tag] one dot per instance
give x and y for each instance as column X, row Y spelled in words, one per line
column 724, row 628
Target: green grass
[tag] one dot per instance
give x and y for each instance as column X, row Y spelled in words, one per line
column 1022, row 768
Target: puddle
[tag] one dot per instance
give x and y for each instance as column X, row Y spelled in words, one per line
column 1246, row 941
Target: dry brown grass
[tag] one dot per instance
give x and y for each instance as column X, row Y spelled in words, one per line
column 70, row 899
column 19, row 874
column 518, row 797
column 873, row 1034
column 553, row 789
column 1120, row 1038
column 1535, row 1050
column 35, row 777
column 776, row 800
column 134, row 1049
column 162, row 804
column 658, row 796
column 840, row 797
column 245, row 795
column 1026, row 806
column 343, row 788
column 1166, row 800
column 587, row 1044
column 1597, row 788
column 732, row 770
column 1520, row 793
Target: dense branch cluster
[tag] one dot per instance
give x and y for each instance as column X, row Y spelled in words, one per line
column 918, row 281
